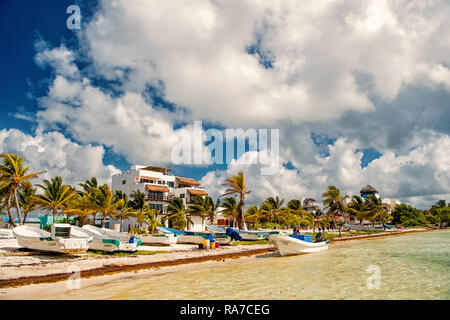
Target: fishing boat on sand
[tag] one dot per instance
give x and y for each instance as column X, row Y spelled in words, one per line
column 194, row 237
column 151, row 239
column 59, row 240
column 107, row 241
column 166, row 239
column 6, row 234
column 296, row 244
column 245, row 234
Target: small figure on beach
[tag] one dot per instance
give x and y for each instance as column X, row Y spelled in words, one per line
column 319, row 236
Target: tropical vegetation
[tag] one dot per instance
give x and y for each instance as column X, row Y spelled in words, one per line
column 18, row 195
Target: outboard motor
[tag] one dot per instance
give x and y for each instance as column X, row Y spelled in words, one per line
column 234, row 234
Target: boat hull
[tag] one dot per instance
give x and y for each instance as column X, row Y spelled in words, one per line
column 54, row 245
column 106, row 241
column 291, row 246
column 160, row 239
column 112, row 245
column 6, row 234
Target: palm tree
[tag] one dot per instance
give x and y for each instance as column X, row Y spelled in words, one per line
column 212, row 214
column 81, row 206
column 296, row 207
column 358, row 209
column 230, row 208
column 236, row 186
column 265, row 213
column 335, row 203
column 376, row 213
column 176, row 214
column 56, row 196
column 27, row 200
column 149, row 217
column 89, row 187
column 12, row 176
column 202, row 207
column 138, row 200
column 275, row 205
column 253, row 215
column 105, row 203
column 125, row 210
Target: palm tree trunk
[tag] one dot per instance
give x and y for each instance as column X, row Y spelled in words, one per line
column 54, row 216
column 11, row 218
column 19, row 212
column 24, row 217
column 104, row 221
column 121, row 224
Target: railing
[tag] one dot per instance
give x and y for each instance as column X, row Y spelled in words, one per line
column 158, row 198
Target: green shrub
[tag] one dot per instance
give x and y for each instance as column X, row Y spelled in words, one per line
column 408, row 216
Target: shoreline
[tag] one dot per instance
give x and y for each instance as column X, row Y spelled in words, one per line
column 154, row 262
column 121, row 267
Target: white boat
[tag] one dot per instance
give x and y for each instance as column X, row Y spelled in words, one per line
column 59, row 240
column 195, row 237
column 103, row 241
column 167, row 239
column 6, row 234
column 116, row 234
column 292, row 246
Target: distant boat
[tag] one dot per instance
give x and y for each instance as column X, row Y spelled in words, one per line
column 59, row 240
column 6, row 234
column 246, row 235
column 291, row 245
column 166, row 239
column 104, row 241
column 194, row 237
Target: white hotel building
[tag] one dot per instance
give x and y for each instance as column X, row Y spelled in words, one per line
column 159, row 186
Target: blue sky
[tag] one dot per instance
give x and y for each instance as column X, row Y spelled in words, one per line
column 353, row 96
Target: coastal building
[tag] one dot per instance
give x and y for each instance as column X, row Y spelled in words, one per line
column 369, row 191
column 389, row 204
column 159, row 186
column 310, row 205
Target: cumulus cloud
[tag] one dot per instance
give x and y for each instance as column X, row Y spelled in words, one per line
column 367, row 74
column 420, row 177
column 127, row 123
column 58, row 155
column 199, row 50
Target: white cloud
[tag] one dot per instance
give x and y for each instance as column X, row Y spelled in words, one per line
column 420, row 178
column 369, row 73
column 198, row 49
column 58, row 156
column 126, row 123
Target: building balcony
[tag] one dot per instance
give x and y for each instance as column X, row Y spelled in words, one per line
column 158, row 198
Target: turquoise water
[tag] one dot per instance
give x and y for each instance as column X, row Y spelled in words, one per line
column 415, row 266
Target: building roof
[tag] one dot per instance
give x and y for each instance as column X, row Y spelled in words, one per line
column 368, row 189
column 150, row 187
column 156, row 169
column 198, row 192
column 188, row 181
column 309, row 200
column 149, row 178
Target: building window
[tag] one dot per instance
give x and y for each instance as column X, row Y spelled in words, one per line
column 170, row 184
column 157, row 206
column 182, row 196
column 124, row 181
column 156, row 196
